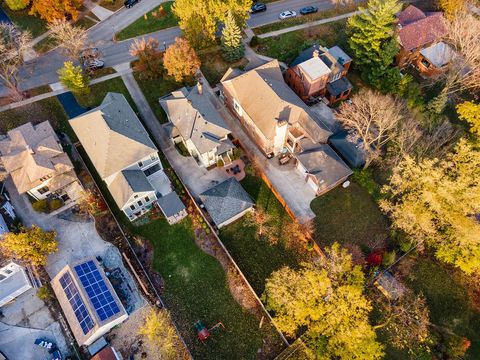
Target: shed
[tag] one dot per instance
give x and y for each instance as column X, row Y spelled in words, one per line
column 389, row 286
column 349, row 147
column 172, row 207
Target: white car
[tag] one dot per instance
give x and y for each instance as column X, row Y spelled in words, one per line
column 287, row 14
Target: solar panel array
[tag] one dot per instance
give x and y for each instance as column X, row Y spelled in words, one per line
column 97, row 291
column 81, row 312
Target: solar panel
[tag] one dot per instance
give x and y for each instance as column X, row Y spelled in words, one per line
column 78, row 307
column 97, row 291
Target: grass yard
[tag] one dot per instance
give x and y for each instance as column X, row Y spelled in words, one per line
column 196, row 288
column 287, row 46
column 98, row 92
column 48, row 109
column 154, row 21
column 258, row 258
column 302, row 19
column 156, row 88
column 349, row 216
column 448, row 300
column 214, row 66
column 113, row 5
column 32, row 23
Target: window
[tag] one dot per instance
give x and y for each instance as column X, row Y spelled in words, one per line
column 153, row 157
column 132, row 207
column 135, row 196
column 237, row 107
column 147, row 199
column 151, row 170
column 140, row 164
column 43, row 190
column 139, row 202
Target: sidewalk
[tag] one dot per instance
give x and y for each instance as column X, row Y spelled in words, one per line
column 307, row 25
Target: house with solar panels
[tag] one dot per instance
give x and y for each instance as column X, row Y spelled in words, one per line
column 88, row 301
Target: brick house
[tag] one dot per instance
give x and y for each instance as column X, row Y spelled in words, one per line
column 318, row 72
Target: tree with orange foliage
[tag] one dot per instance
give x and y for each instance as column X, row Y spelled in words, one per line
column 51, row 10
column 180, row 60
column 149, row 65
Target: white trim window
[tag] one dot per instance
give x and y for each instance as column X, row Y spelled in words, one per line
column 237, row 107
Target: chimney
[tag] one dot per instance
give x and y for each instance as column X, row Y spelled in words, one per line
column 316, row 53
column 30, row 150
column 199, row 87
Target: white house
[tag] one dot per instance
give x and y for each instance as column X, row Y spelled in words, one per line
column 14, row 281
column 34, row 158
column 195, row 122
column 123, row 155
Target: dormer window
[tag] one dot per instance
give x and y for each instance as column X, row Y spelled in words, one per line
column 140, row 163
column 237, row 107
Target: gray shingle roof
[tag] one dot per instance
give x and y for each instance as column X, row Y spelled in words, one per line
column 170, row 204
column 226, row 200
column 126, row 183
column 337, row 87
column 349, row 147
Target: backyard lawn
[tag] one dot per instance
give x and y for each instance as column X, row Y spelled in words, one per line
column 258, row 258
column 99, row 90
column 32, row 23
column 213, row 65
column 154, row 21
column 349, row 216
column 287, row 46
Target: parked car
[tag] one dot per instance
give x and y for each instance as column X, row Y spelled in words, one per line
column 287, row 14
column 258, row 7
column 130, row 3
column 308, row 10
column 93, row 64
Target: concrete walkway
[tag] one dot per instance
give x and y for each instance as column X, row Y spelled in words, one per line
column 99, row 11
column 307, row 25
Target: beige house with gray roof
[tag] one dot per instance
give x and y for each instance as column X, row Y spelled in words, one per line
column 123, row 155
column 34, row 158
column 194, row 121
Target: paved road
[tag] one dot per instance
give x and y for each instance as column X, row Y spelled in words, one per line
column 43, row 70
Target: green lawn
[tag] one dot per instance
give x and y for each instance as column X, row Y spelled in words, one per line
column 447, row 298
column 258, row 258
column 32, row 23
column 98, row 92
column 349, row 216
column 48, row 109
column 154, row 22
column 156, row 88
column 302, row 19
column 213, row 65
column 113, row 5
column 287, row 46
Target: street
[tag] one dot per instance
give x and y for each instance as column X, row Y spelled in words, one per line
column 43, row 70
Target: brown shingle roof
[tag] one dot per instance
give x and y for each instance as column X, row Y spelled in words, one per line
column 422, row 31
column 410, row 15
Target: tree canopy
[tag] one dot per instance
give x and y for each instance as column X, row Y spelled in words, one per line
column 149, row 65
column 180, row 60
column 73, row 78
column 328, row 300
column 51, row 10
column 160, row 333
column 371, row 37
column 199, row 19
column 470, row 112
column 435, row 202
column 32, row 245
column 232, row 46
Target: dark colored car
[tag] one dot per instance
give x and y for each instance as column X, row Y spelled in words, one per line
column 308, row 10
column 130, row 3
column 258, row 7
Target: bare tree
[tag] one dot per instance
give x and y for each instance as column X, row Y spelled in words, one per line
column 71, row 39
column 408, row 134
column 13, row 44
column 438, row 140
column 339, row 3
column 464, row 70
column 373, row 118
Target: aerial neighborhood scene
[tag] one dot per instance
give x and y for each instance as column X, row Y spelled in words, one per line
column 239, row 179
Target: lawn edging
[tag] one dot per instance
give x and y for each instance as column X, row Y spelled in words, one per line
column 145, row 273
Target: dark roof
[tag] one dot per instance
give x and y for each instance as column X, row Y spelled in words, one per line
column 410, row 15
column 106, row 354
column 422, row 31
column 226, row 200
column 337, row 87
column 306, row 55
column 349, row 147
column 170, row 204
column 137, row 180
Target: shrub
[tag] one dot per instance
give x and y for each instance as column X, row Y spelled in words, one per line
column 236, row 154
column 364, row 178
column 40, row 206
column 389, row 258
column 17, row 4
column 254, row 41
column 43, row 293
column 220, row 163
column 55, row 204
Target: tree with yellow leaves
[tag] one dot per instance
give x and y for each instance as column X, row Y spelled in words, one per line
column 470, row 112
column 160, row 333
column 435, row 202
column 451, row 7
column 328, row 300
column 51, row 10
column 180, row 60
column 32, row 245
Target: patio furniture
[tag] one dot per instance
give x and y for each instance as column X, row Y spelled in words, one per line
column 202, row 331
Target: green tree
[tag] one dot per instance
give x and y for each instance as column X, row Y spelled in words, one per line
column 17, row 4
column 180, row 60
column 470, row 112
column 199, row 19
column 232, row 45
column 434, row 203
column 32, row 245
column 372, row 40
column 160, row 333
column 327, row 299
column 73, row 78
column 44, row 293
